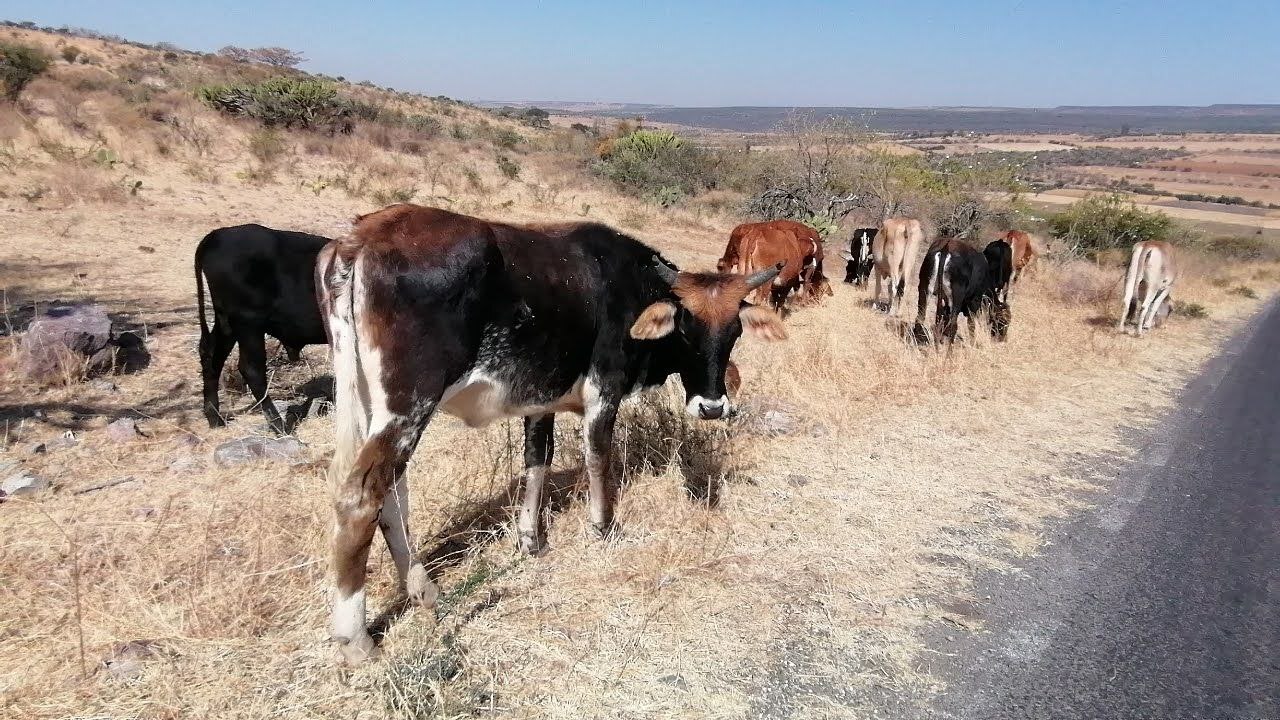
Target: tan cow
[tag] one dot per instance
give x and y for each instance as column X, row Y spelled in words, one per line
column 894, row 250
column 1152, row 271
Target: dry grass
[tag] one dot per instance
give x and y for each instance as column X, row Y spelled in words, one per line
column 790, row 558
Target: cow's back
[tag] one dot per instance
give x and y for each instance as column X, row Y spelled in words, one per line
column 265, row 277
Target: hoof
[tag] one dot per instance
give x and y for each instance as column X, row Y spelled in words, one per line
column 605, row 531
column 419, row 588
column 531, row 544
column 354, row 653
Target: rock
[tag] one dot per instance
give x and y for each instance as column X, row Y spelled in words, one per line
column 103, row 385
column 142, row 513
column 186, row 465
column 131, row 354
column 253, row 448
column 127, row 659
column 124, row 430
column 23, row 483
column 675, row 681
column 64, row 338
column 189, row 440
column 795, row 480
column 65, row 441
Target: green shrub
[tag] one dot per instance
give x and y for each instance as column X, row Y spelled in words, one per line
column 391, row 196
column 284, row 102
column 267, row 146
column 425, row 124
column 667, row 196
column 1107, row 222
column 655, row 164
column 509, row 168
column 1244, row 247
column 1244, row 291
column 19, row 65
column 507, row 139
column 458, row 132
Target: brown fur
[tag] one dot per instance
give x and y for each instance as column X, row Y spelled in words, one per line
column 762, row 245
column 1024, row 250
column 714, row 298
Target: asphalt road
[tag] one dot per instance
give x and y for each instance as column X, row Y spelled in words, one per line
column 1165, row 601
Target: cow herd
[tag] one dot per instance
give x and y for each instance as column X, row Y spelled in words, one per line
column 428, row 311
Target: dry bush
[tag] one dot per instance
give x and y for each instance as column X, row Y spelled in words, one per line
column 76, row 183
column 1082, row 283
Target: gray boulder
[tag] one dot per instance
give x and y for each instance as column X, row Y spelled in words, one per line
column 70, row 339
column 23, row 483
column 254, row 449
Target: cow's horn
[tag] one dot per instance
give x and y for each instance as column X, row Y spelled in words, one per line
column 756, row 279
column 665, row 271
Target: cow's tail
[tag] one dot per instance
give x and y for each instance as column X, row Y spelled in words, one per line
column 338, row 286
column 1139, row 258
column 204, row 323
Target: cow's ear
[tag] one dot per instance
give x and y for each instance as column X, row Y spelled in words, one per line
column 657, row 321
column 762, row 323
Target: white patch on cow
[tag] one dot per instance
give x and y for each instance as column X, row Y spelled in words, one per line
column 348, row 616
column 864, row 249
column 697, row 402
column 480, row 398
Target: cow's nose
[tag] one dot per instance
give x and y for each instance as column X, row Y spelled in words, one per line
column 710, row 411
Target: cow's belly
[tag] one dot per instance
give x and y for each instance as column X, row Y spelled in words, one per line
column 481, row 398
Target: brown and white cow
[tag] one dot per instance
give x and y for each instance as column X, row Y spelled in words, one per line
column 1152, row 272
column 796, row 246
column 894, row 250
column 429, row 311
column 1024, row 251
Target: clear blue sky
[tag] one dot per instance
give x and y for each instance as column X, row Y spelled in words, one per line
column 750, row 52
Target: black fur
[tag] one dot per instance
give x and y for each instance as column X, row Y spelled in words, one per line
column 856, row 272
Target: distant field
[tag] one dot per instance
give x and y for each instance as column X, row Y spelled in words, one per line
column 1090, row 120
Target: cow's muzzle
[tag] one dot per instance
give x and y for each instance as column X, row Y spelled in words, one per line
column 705, row 409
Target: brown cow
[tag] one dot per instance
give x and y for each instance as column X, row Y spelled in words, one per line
column 1024, row 251
column 796, row 246
column 429, row 311
column 1152, row 270
column 894, row 250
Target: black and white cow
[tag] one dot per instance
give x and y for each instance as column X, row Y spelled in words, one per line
column 858, row 259
column 960, row 279
column 430, row 311
column 261, row 282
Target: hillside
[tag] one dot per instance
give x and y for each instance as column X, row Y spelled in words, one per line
column 790, row 563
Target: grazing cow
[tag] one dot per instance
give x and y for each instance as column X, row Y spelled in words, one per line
column 999, row 254
column 797, row 247
column 1024, row 251
column 959, row 276
column 894, row 250
column 261, row 282
column 857, row 269
column 1152, row 271
column 428, row 311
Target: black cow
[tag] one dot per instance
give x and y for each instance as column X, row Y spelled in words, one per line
column 261, row 282
column 858, row 260
column 999, row 254
column 433, row 311
column 959, row 276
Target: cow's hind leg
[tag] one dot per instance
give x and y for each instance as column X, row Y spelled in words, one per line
column 369, row 494
column 215, row 346
column 253, row 368
column 539, row 449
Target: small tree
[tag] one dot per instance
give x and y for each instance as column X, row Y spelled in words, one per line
column 19, row 65
column 1105, row 222
column 277, row 57
column 239, row 54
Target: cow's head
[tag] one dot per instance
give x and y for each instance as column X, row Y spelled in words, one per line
column 708, row 314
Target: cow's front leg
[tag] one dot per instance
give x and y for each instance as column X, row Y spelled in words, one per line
column 539, row 449
column 600, row 413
